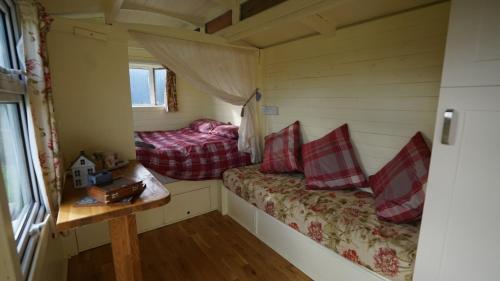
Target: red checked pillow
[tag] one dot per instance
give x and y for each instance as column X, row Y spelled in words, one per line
column 226, row 131
column 281, row 151
column 399, row 186
column 204, row 125
column 330, row 162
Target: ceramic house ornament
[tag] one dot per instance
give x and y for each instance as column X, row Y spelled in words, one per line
column 81, row 168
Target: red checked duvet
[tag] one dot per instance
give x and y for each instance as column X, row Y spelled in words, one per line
column 189, row 155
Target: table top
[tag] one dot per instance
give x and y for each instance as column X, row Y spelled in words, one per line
column 70, row 216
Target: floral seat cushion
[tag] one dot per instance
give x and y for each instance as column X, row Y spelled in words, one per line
column 344, row 221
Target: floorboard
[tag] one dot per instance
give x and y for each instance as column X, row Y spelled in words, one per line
column 207, row 247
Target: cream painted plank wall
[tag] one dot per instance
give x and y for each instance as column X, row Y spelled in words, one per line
column 225, row 112
column 91, row 90
column 193, row 104
column 381, row 77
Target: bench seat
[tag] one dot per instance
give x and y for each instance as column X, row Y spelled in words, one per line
column 343, row 221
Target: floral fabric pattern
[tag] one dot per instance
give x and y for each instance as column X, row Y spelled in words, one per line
column 345, row 221
column 35, row 24
column 171, row 92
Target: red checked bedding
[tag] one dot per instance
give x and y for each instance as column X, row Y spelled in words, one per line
column 189, row 155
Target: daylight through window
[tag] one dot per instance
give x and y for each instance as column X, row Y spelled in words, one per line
column 148, row 84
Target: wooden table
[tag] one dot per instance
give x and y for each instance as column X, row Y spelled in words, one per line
column 122, row 224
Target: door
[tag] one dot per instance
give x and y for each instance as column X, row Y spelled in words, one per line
column 473, row 45
column 459, row 236
column 461, row 222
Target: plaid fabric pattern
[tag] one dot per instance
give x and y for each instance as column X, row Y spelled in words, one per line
column 330, row 162
column 189, row 155
column 282, row 150
column 399, row 185
column 227, row 131
column 205, row 125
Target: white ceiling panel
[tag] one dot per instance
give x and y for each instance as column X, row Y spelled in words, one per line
column 189, row 14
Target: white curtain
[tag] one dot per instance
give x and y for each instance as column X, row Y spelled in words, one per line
column 225, row 72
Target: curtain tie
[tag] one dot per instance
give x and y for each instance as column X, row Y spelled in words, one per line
column 256, row 94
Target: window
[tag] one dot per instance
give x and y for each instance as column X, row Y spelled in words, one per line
column 77, row 173
column 82, row 162
column 8, row 35
column 147, row 84
column 17, row 175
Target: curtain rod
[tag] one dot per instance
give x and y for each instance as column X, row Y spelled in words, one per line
column 199, row 40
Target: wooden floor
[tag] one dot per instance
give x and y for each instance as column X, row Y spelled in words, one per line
column 204, row 248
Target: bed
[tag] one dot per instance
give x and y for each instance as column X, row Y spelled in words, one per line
column 186, row 154
column 343, row 221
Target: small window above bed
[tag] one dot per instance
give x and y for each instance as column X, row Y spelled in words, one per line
column 148, row 84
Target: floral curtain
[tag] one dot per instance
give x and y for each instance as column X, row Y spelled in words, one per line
column 171, row 92
column 35, row 24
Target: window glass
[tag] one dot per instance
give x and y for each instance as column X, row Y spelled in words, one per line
column 4, row 44
column 160, row 85
column 13, row 162
column 139, row 86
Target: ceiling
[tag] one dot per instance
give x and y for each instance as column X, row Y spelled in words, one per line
column 344, row 14
column 197, row 12
column 190, row 14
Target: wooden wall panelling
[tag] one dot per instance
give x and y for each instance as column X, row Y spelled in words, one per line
column 381, row 77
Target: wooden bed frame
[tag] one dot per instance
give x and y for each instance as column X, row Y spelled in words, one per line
column 315, row 260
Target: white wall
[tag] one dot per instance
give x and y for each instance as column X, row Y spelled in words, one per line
column 91, row 89
column 50, row 262
column 225, row 112
column 193, row 104
column 381, row 77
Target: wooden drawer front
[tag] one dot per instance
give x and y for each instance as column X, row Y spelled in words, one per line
column 150, row 219
column 180, row 187
column 187, row 205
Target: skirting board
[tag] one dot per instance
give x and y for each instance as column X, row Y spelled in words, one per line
column 315, row 260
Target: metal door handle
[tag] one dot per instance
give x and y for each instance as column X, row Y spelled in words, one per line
column 448, row 118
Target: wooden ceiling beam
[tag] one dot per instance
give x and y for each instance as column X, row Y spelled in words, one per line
column 239, row 12
column 320, row 24
column 235, row 12
column 179, row 33
column 197, row 21
column 111, row 9
column 219, row 22
column 226, row 3
column 288, row 11
column 252, row 7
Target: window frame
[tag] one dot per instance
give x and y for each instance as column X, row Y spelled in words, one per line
column 25, row 240
column 34, row 213
column 151, row 67
column 8, row 8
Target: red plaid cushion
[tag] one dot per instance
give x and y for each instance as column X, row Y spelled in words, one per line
column 330, row 163
column 281, row 152
column 226, row 131
column 205, row 125
column 399, row 186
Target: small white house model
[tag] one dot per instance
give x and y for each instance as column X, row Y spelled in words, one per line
column 81, row 168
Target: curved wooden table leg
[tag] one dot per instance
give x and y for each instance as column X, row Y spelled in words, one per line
column 124, row 242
